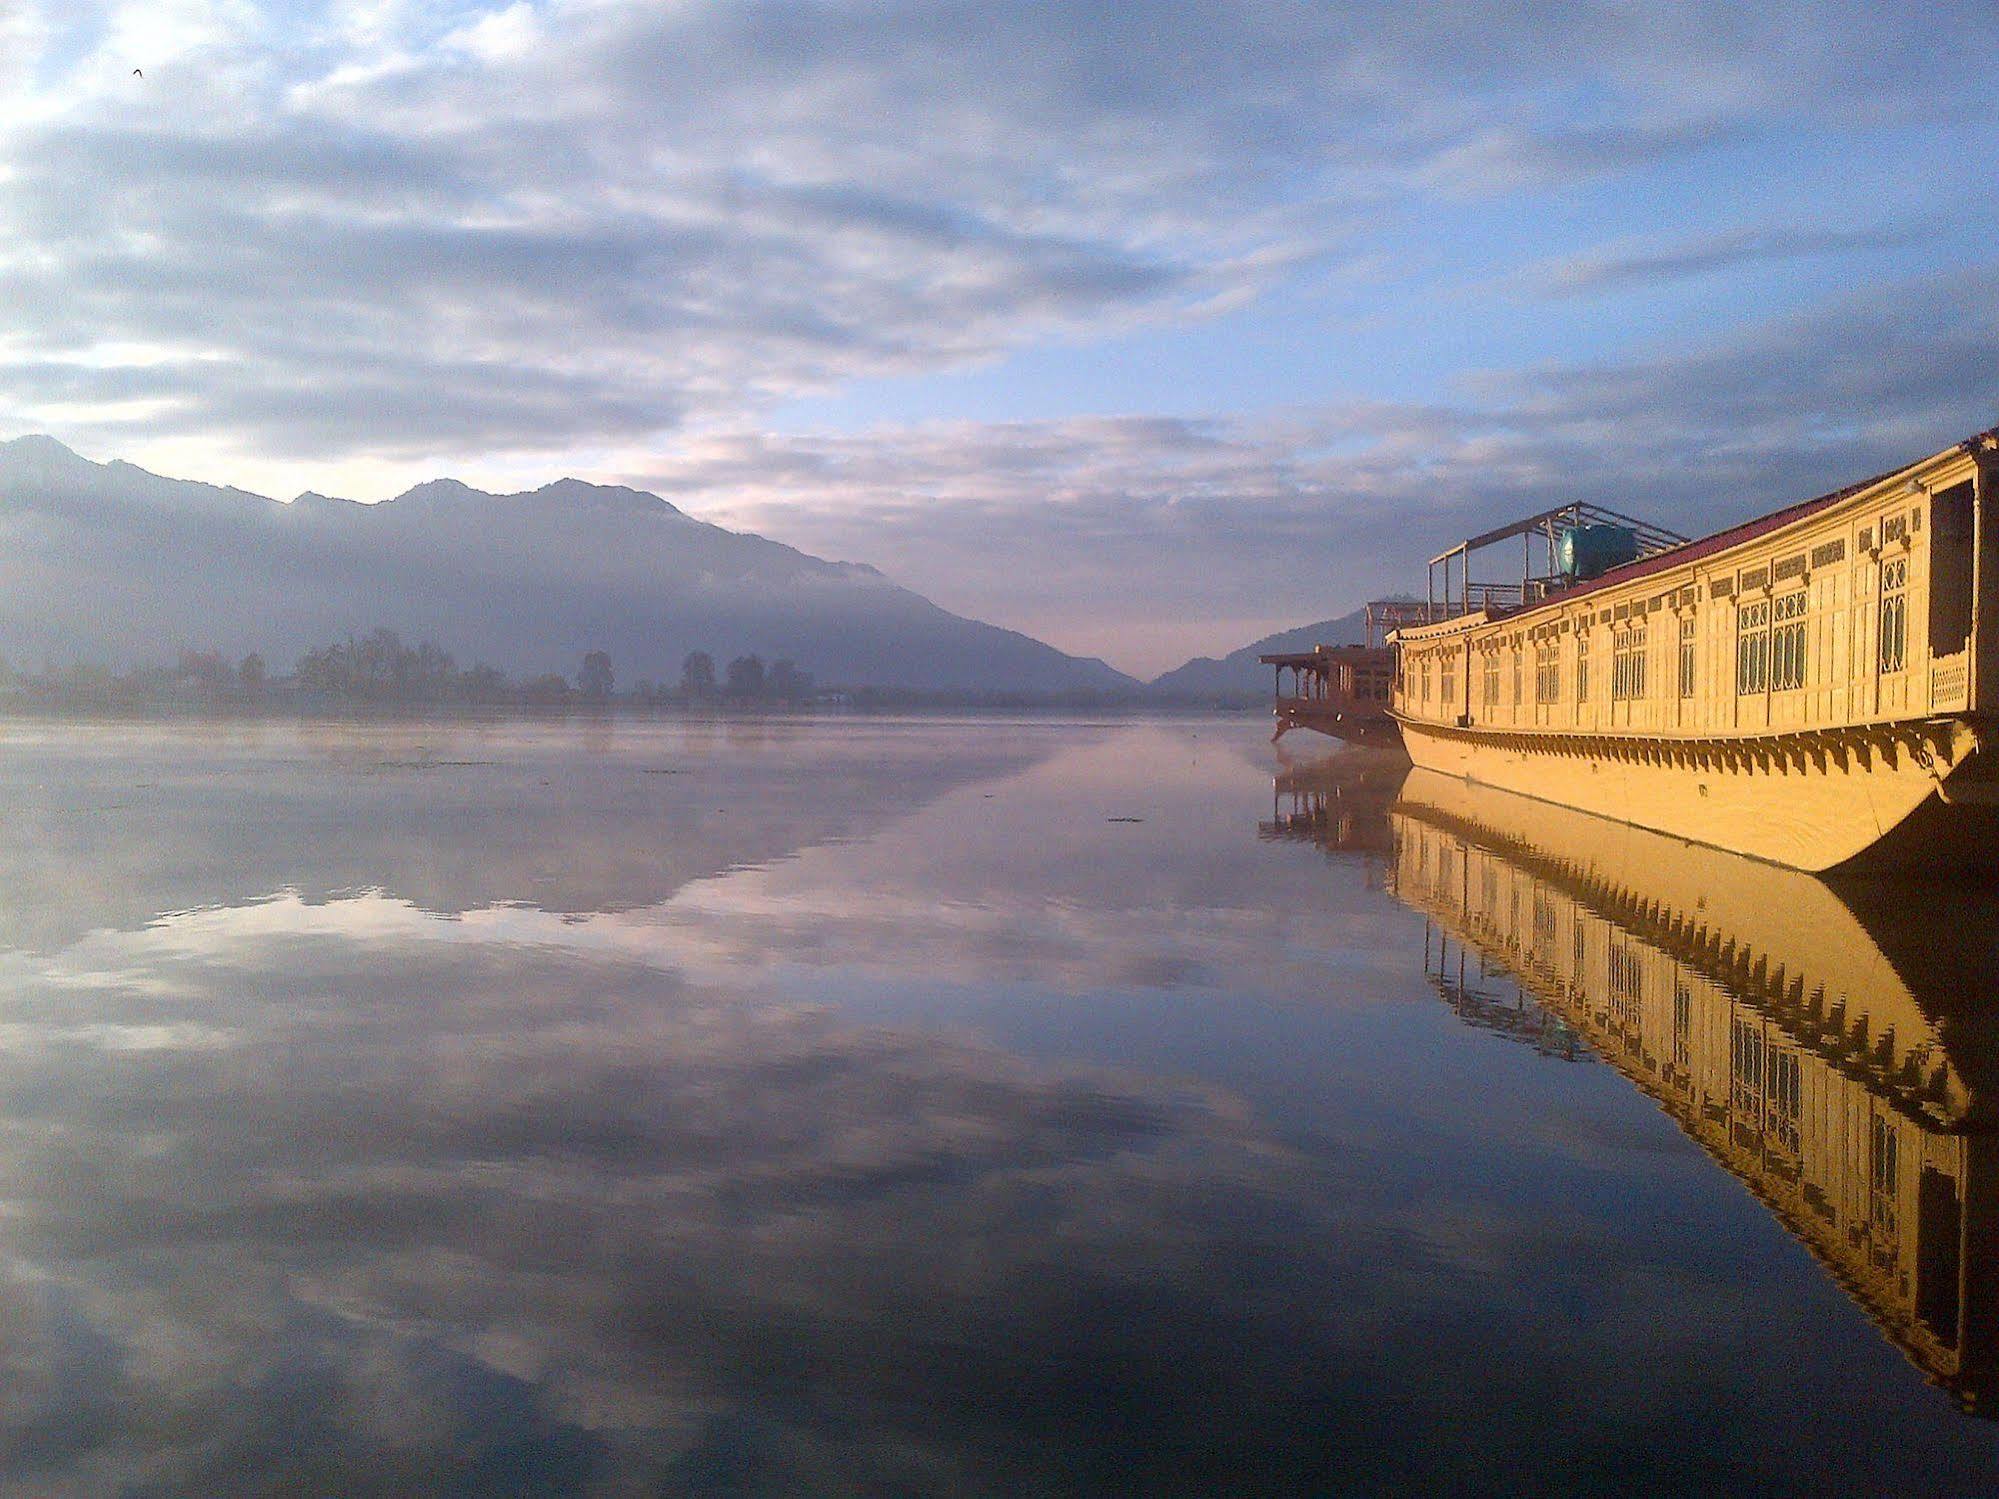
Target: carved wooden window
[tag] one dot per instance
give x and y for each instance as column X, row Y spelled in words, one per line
column 1787, row 642
column 1752, row 647
column 1547, row 671
column 1894, row 614
column 1627, row 663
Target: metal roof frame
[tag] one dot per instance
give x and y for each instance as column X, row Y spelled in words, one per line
column 1652, row 540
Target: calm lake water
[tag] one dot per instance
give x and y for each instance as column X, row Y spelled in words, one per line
column 885, row 1107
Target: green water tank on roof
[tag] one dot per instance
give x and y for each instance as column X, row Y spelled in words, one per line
column 1591, row 551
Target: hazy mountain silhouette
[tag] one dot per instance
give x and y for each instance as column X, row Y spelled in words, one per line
column 1239, row 675
column 107, row 562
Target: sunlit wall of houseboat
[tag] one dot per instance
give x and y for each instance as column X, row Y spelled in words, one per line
column 1861, row 613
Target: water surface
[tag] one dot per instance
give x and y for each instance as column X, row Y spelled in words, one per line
column 952, row 1107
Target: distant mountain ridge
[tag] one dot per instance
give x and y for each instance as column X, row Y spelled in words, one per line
column 1239, row 676
column 107, row 562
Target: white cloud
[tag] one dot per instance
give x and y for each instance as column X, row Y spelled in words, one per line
column 499, row 35
column 600, row 220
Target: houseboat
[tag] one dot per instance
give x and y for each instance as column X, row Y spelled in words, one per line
column 1820, row 1045
column 1344, row 690
column 1818, row 688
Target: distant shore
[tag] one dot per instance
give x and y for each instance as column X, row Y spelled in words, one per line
column 380, row 675
column 281, row 706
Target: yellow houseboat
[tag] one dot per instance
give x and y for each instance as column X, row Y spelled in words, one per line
column 1818, row 688
column 1825, row 1055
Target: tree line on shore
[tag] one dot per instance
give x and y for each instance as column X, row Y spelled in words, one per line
column 381, row 668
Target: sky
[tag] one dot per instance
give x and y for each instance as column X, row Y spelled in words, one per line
column 1147, row 328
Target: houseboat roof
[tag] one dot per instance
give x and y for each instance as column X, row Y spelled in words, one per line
column 1719, row 541
column 1749, row 530
column 1318, row 655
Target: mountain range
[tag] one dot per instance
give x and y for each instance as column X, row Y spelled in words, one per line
column 109, row 563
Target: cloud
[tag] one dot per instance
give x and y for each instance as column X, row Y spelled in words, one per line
column 1644, row 262
column 1509, row 157
column 599, row 221
column 500, row 35
column 1148, row 540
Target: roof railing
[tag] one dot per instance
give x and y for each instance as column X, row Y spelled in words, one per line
column 1459, row 594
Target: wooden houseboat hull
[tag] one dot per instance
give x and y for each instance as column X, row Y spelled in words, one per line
column 1904, row 797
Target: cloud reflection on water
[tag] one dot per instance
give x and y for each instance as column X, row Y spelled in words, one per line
column 403, row 1190
column 352, row 1193
column 439, row 1202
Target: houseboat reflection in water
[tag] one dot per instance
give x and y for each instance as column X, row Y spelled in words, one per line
column 1827, row 1047
column 1339, row 802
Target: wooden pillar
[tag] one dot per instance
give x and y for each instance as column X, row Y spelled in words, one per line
column 1984, row 656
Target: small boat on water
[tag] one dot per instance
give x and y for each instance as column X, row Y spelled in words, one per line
column 1817, row 688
